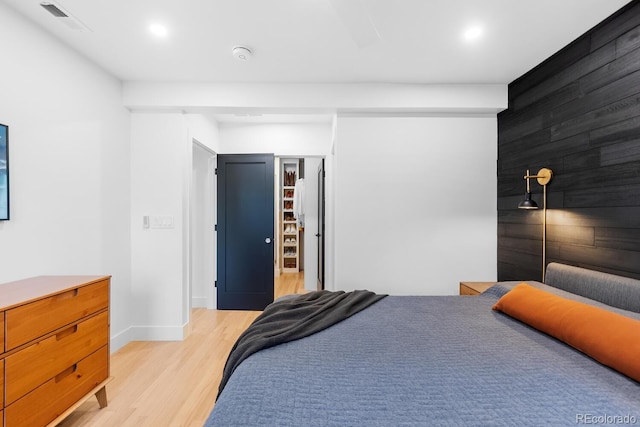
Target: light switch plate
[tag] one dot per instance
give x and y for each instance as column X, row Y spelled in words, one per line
column 162, row 221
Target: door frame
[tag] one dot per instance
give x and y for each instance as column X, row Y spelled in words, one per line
column 309, row 264
column 207, row 228
column 321, row 229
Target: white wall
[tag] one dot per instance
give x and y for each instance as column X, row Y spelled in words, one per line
column 318, row 98
column 69, row 165
column 203, row 130
column 161, row 174
column 373, row 100
column 158, row 148
column 284, row 140
column 415, row 203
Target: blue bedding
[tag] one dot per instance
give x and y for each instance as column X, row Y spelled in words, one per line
column 420, row 361
column 290, row 319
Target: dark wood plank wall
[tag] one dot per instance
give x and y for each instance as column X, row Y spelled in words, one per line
column 577, row 113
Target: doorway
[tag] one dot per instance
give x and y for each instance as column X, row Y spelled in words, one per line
column 202, row 228
column 298, row 248
column 245, row 231
column 311, row 250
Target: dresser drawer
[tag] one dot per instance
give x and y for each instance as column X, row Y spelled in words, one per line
column 52, row 398
column 29, row 321
column 41, row 361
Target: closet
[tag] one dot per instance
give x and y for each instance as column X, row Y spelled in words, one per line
column 291, row 215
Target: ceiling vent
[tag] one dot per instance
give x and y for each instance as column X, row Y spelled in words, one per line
column 64, row 17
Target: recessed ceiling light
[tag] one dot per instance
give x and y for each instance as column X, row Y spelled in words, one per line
column 472, row 33
column 158, row 30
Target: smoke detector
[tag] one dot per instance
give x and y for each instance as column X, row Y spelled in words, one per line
column 241, row 53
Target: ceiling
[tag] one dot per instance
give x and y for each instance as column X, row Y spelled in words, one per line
column 321, row 41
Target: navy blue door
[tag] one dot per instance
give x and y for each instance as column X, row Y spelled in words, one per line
column 245, row 231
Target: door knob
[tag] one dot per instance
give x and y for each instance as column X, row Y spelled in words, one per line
column 267, row 240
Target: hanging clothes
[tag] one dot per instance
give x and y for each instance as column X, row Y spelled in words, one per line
column 298, row 203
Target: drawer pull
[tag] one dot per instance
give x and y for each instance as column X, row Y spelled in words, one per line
column 70, row 370
column 69, row 331
column 70, row 294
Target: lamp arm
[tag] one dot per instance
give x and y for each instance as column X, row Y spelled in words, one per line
column 544, row 176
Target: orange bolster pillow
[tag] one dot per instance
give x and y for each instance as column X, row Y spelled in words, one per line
column 610, row 338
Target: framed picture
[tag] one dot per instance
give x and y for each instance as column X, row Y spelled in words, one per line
column 4, row 172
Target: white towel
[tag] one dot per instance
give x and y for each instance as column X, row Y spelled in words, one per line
column 298, row 202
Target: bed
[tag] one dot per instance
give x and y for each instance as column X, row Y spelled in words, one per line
column 441, row 360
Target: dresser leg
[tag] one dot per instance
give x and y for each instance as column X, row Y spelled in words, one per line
column 101, row 395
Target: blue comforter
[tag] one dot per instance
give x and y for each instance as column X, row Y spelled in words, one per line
column 290, row 319
column 422, row 361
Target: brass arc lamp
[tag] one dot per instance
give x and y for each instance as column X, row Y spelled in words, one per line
column 543, row 177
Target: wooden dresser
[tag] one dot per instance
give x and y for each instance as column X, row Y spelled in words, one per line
column 54, row 336
column 474, row 288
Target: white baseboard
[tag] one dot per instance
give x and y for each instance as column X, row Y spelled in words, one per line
column 199, row 302
column 120, row 340
column 149, row 333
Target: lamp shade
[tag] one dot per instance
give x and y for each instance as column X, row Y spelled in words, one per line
column 527, row 203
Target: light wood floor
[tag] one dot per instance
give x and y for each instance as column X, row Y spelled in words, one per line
column 173, row 383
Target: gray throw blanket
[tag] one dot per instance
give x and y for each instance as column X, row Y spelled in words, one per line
column 290, row 319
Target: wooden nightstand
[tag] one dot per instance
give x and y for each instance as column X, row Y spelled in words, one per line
column 474, row 288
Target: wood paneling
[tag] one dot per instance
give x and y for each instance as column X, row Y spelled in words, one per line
column 577, row 113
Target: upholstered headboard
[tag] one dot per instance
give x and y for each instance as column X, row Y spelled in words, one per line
column 610, row 289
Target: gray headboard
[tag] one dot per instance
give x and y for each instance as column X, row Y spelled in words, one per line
column 616, row 291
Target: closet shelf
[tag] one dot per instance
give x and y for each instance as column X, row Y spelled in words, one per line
column 289, row 240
